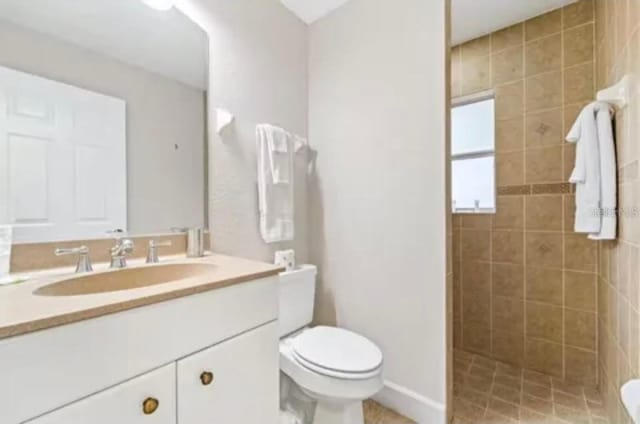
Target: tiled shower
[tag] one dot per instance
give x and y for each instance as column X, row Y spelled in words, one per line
column 528, row 292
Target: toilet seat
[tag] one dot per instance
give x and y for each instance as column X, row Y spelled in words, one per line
column 337, row 353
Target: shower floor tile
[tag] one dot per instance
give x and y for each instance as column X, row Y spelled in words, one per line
column 489, row 392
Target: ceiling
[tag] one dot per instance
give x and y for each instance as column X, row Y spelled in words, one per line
column 470, row 18
column 312, row 10
column 166, row 43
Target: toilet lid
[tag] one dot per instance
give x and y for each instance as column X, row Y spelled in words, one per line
column 337, row 350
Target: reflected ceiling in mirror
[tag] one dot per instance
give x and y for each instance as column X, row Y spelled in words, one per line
column 164, row 42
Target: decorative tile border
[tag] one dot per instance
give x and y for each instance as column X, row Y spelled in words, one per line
column 514, row 190
column 529, row 189
column 561, row 188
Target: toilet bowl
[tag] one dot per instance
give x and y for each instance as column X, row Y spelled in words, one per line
column 335, row 367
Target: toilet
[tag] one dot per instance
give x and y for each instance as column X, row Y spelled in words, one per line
column 336, row 368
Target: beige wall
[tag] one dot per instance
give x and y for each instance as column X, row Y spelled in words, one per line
column 525, row 284
column 618, row 53
column 166, row 187
column 258, row 71
column 378, row 121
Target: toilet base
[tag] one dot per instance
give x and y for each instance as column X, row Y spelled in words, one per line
column 338, row 413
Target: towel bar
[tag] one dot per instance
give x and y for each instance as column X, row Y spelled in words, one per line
column 618, row 94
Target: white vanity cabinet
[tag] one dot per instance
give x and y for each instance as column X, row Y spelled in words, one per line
column 149, row 399
column 232, row 382
column 208, row 358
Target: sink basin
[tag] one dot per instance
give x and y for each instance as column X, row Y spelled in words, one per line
column 124, row 279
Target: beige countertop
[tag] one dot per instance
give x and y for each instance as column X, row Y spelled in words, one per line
column 22, row 311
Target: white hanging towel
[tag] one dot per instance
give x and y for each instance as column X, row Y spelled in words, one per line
column 608, row 175
column 594, row 172
column 275, row 183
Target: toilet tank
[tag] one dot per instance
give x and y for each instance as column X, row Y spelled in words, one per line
column 297, row 291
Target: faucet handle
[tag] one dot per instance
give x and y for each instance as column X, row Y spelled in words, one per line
column 152, row 254
column 84, row 261
column 119, row 253
column 81, row 250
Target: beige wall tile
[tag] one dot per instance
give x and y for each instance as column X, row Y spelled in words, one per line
column 531, row 150
column 580, row 329
column 475, row 245
column 620, row 24
column 510, row 134
column 509, row 213
column 544, row 321
column 544, row 356
column 634, row 340
column 507, row 65
column 476, row 277
column 544, row 165
column 509, row 100
column 476, row 339
column 543, row 25
column 508, row 37
column 580, row 253
column 508, row 246
column 476, row 75
column 476, row 308
column 508, row 314
column 544, row 128
column 633, row 293
column 543, row 55
column 580, row 290
column 510, row 168
column 581, row 366
column 634, row 15
column 623, row 326
column 544, row 91
column 544, row 213
column 544, row 285
column 457, row 334
column 476, row 221
column 476, row 48
column 569, row 212
column 600, row 7
column 578, row 13
column 508, row 347
column 578, row 83
column 508, row 280
column 578, row 45
column 544, row 249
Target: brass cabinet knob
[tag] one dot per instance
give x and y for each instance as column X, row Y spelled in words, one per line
column 150, row 405
column 206, row 378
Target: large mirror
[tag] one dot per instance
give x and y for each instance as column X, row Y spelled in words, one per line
column 102, row 118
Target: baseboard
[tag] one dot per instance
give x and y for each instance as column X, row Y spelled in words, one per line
column 412, row 405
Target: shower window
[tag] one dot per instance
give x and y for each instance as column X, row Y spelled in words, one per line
column 473, row 181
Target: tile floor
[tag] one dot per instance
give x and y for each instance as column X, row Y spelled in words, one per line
column 374, row 413
column 488, row 392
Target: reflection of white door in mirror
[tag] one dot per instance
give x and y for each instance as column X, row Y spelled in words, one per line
column 63, row 171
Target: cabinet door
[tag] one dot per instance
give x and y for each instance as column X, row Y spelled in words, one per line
column 235, row 381
column 148, row 399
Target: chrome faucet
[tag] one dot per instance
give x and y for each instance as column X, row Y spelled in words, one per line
column 152, row 254
column 119, row 253
column 84, row 261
